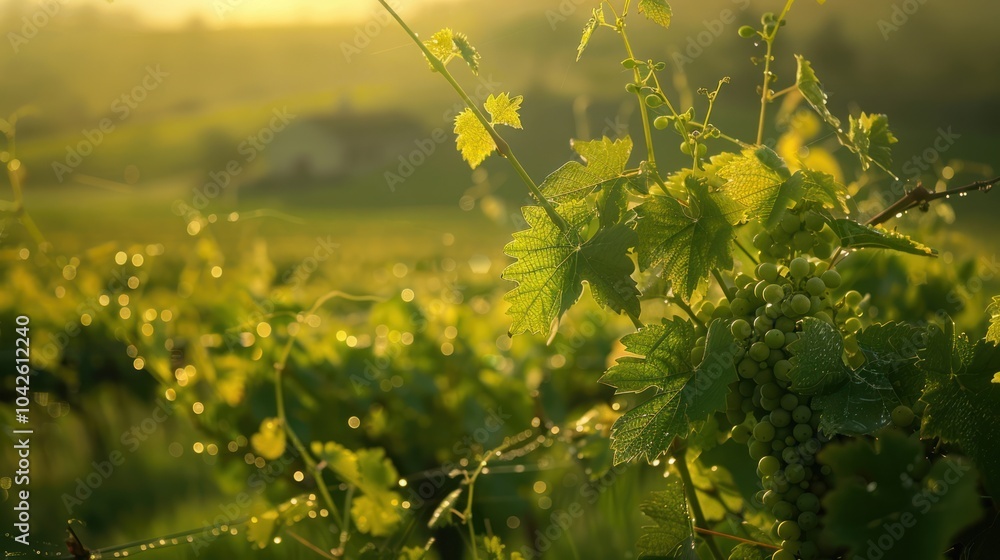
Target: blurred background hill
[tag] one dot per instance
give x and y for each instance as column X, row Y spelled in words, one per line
column 361, row 95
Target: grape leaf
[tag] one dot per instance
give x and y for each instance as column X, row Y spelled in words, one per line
column 993, row 333
column 681, row 399
column 673, row 534
column 876, row 505
column 665, row 350
column 871, row 139
column 269, row 441
column 854, row 235
column 605, row 162
column 857, row 402
column 588, row 30
column 551, row 264
column 823, row 188
column 446, row 44
column 657, row 11
column 745, row 551
column 468, row 53
column 817, row 358
column 375, row 515
column 473, row 140
column 811, row 89
column 503, row 109
column 759, row 180
column 964, row 409
column 688, row 241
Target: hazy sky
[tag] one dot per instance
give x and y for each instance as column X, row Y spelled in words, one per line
column 252, row 12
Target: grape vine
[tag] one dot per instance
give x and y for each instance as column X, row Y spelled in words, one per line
column 845, row 421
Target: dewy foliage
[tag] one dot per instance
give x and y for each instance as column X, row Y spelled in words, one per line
column 686, row 393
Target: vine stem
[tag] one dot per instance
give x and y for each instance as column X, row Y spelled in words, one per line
column 644, row 112
column 279, row 395
column 699, row 517
column 921, row 196
column 676, row 300
column 765, row 96
column 502, row 146
column 735, row 538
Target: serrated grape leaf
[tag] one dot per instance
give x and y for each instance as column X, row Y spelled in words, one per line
column 817, row 358
column 503, row 109
column 493, row 549
column 758, row 180
column 857, row 402
column 673, row 534
column 811, row 89
column 823, row 188
column 446, row 44
column 657, row 11
column 468, row 53
column 661, row 352
column 605, row 162
column 993, row 333
column 648, row 429
column 596, row 19
column 875, row 502
column 442, row 45
column 688, row 241
column 552, row 264
column 472, row 140
column 854, row 235
column 964, row 409
column 745, row 551
column 872, row 140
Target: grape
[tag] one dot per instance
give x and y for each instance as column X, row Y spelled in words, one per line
column 697, row 354
column 808, row 502
column 789, row 402
column 852, row 298
column 741, row 329
column 815, row 286
column 759, row 351
column 780, row 418
column 661, row 122
column 773, row 293
column 740, row 433
column 808, row 521
column 803, row 241
column 813, row 221
column 801, row 414
column 769, row 404
column 802, row 432
column 767, row 271
column 686, row 147
column 902, row 416
column 739, row 306
column 759, row 449
column 763, row 377
column 653, row 100
column 774, row 338
column 831, row 278
column 781, row 369
column 771, row 498
column 747, row 368
column 763, row 432
column 790, row 546
column 746, row 31
column 800, row 304
column 783, row 510
column 795, row 473
column 762, row 241
column 852, row 325
column 746, row 388
column 785, row 325
column 790, row 223
column 789, row 530
column 769, row 465
column 783, row 555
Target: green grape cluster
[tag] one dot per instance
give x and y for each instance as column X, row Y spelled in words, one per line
column 778, row 425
